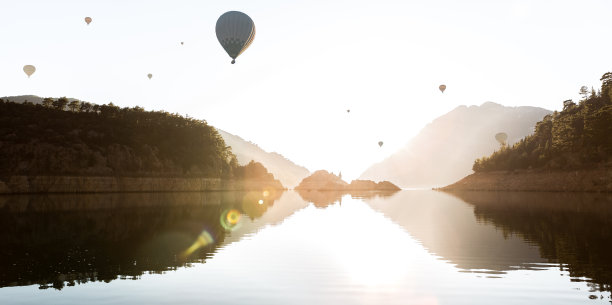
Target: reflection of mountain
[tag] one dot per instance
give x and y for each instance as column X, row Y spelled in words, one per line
column 447, row 227
column 289, row 173
column 574, row 229
column 58, row 239
column 445, row 150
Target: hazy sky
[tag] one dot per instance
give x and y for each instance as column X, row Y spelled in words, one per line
column 310, row 61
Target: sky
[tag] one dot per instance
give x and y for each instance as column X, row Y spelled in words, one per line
column 310, row 62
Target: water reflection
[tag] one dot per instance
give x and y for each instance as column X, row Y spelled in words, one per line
column 59, row 240
column 572, row 229
column 495, row 232
column 322, row 199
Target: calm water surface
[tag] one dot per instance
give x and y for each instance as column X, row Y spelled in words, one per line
column 411, row 247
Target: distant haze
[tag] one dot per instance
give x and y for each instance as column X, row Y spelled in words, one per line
column 445, row 149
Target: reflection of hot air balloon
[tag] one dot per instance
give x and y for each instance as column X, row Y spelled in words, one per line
column 501, row 138
column 235, row 31
column 149, row 75
column 88, row 20
column 442, row 88
column 29, row 70
column 380, row 143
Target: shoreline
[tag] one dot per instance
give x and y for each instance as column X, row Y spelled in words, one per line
column 106, row 184
column 589, row 180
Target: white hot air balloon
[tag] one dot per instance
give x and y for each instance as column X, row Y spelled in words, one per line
column 442, row 88
column 88, row 20
column 29, row 70
column 235, row 32
column 150, row 75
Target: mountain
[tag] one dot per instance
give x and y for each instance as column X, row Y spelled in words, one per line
column 444, row 151
column 289, row 173
column 29, row 98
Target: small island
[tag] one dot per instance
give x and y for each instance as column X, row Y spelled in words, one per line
column 324, row 188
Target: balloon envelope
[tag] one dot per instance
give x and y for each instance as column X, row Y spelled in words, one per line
column 29, row 70
column 235, row 32
column 442, row 88
column 149, row 75
column 501, row 138
column 380, row 143
column 88, row 20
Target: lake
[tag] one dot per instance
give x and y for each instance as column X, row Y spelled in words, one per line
column 409, row 247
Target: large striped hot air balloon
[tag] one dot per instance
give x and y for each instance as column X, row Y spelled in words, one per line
column 29, row 70
column 235, row 31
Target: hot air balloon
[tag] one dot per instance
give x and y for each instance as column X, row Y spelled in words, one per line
column 235, row 31
column 149, row 75
column 380, row 143
column 348, row 110
column 29, row 70
column 501, row 138
column 182, row 43
column 442, row 88
column 88, row 20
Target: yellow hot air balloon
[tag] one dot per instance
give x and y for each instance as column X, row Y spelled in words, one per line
column 442, row 88
column 380, row 143
column 235, row 31
column 88, row 20
column 149, row 75
column 29, row 70
column 501, row 138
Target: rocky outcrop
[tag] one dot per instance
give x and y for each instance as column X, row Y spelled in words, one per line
column 591, row 180
column 90, row 184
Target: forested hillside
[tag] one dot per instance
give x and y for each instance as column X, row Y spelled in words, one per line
column 579, row 136
column 64, row 137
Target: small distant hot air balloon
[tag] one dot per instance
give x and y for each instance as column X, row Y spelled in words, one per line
column 88, row 20
column 348, row 110
column 29, row 70
column 501, row 138
column 380, row 143
column 149, row 75
column 442, row 88
column 235, row 32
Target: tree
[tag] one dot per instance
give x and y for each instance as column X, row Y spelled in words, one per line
column 47, row 102
column 73, row 105
column 584, row 91
column 60, row 103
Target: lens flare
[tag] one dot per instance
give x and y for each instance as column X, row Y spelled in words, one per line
column 230, row 219
column 266, row 193
column 204, row 239
column 260, row 201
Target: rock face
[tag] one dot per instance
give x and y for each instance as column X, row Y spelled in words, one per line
column 322, row 180
column 445, row 150
column 592, row 180
column 87, row 184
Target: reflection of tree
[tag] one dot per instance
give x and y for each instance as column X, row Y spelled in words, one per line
column 572, row 229
column 59, row 240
